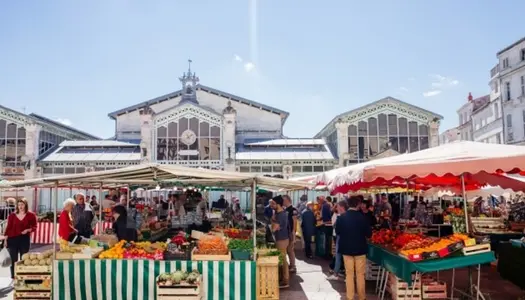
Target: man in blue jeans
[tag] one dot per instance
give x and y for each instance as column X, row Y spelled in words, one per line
column 341, row 208
column 327, row 228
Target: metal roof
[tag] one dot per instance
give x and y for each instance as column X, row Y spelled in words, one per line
column 210, row 90
column 102, row 150
column 287, row 142
column 82, row 157
column 60, row 125
column 98, row 143
column 279, row 155
column 386, row 99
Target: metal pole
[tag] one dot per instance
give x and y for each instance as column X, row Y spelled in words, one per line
column 54, row 202
column 465, row 208
column 254, row 231
column 129, row 197
column 100, row 222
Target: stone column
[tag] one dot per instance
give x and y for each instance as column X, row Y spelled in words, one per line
column 433, row 133
column 228, row 137
column 32, row 147
column 146, row 136
column 342, row 141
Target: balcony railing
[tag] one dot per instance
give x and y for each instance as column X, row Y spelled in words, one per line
column 494, row 71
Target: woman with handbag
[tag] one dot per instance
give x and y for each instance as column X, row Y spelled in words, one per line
column 66, row 230
column 20, row 224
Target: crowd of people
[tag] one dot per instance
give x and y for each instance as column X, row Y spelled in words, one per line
column 328, row 219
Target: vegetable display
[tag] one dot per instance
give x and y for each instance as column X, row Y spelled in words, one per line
column 179, row 278
column 240, row 244
column 210, row 244
column 37, row 259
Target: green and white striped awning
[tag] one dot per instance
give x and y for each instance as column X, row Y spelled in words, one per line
column 135, row 279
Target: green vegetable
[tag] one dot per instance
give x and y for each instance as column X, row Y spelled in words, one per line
column 276, row 253
column 239, row 244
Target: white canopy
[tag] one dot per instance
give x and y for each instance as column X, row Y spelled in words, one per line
column 454, row 158
column 153, row 174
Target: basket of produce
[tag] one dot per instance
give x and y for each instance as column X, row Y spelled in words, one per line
column 34, row 262
column 178, row 248
column 211, row 247
column 132, row 250
column 241, row 249
column 179, row 285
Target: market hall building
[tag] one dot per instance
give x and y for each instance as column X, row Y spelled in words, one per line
column 199, row 126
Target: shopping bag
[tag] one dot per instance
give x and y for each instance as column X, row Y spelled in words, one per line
column 5, row 258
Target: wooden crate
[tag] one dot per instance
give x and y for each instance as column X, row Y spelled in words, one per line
column 267, row 280
column 20, row 268
column 476, row 249
column 517, row 226
column 32, row 295
column 175, row 297
column 372, row 270
column 188, row 292
column 400, row 290
column 207, row 257
column 435, row 290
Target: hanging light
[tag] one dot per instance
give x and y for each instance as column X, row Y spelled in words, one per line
column 157, row 187
column 174, row 188
column 184, row 190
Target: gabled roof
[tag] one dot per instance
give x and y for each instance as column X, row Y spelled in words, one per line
column 210, row 90
column 65, row 127
column 183, row 103
column 386, row 99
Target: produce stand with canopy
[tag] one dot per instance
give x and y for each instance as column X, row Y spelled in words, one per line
column 136, row 279
column 463, row 165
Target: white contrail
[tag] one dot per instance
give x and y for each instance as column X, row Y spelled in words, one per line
column 254, row 56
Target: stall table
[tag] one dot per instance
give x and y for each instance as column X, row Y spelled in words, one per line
column 100, row 279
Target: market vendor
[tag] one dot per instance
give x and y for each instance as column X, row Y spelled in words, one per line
column 120, row 226
column 82, row 216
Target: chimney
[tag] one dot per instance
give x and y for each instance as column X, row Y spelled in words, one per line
column 470, row 97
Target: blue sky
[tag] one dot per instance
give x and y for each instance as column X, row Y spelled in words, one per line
column 76, row 61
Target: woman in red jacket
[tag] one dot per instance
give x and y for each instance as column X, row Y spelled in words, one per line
column 66, row 230
column 20, row 224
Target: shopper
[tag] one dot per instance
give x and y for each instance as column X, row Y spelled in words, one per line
column 353, row 246
column 120, row 226
column 341, row 208
column 292, row 226
column 66, row 230
column 281, row 233
column 326, row 216
column 308, row 228
column 82, row 216
column 367, row 210
column 20, row 224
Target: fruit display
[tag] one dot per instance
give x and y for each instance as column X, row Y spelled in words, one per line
column 211, row 245
column 235, row 233
column 37, row 259
column 383, row 236
column 404, row 239
column 132, row 250
column 33, row 285
column 437, row 248
column 179, row 278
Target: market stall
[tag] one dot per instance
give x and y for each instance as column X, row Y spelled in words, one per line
column 459, row 165
column 138, row 270
column 404, row 258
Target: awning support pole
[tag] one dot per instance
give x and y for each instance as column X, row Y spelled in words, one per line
column 465, row 204
column 254, row 231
